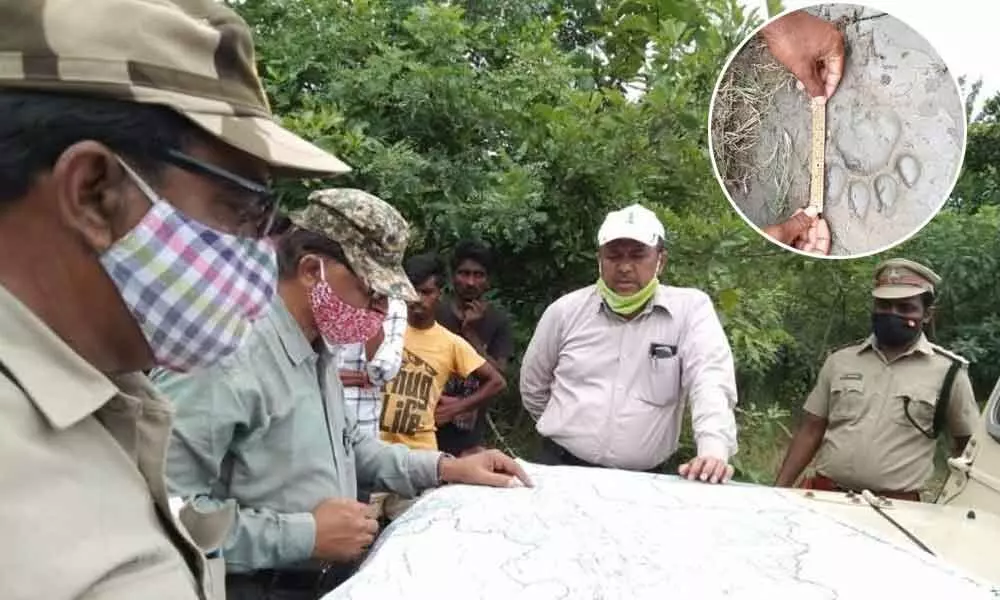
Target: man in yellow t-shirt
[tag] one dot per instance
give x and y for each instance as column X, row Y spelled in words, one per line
column 414, row 405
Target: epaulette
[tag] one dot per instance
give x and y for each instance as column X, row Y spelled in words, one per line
column 949, row 354
column 853, row 344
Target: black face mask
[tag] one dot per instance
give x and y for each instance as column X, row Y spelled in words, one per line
column 894, row 331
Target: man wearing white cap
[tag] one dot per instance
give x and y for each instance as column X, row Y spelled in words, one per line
column 611, row 366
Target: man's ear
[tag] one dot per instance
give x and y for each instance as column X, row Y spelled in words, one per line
column 310, row 270
column 661, row 262
column 92, row 194
column 929, row 314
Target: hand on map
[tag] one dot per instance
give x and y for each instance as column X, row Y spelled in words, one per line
column 490, row 468
column 345, row 528
column 811, row 48
column 707, row 469
column 448, row 407
column 804, row 230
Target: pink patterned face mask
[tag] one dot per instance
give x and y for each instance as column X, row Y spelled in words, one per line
column 338, row 322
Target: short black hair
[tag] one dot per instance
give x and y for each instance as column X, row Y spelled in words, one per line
column 422, row 267
column 281, row 224
column 37, row 127
column 928, row 300
column 297, row 242
column 473, row 250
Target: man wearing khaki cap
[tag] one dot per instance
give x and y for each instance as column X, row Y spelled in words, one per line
column 877, row 408
column 267, row 429
column 136, row 147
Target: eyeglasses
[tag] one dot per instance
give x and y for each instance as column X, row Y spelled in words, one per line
column 260, row 212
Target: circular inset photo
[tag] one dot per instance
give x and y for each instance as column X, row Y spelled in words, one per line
column 837, row 130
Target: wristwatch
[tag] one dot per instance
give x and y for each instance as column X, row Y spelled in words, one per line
column 441, row 459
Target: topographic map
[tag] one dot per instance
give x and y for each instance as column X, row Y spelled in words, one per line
column 613, row 535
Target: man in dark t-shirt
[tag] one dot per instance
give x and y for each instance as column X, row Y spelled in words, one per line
column 486, row 327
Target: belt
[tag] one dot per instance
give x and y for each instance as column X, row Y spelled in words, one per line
column 568, row 458
column 823, row 483
column 285, row 579
column 565, row 456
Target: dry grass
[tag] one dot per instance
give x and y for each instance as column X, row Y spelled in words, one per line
column 745, row 94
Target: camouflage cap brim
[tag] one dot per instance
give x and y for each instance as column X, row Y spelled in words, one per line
column 263, row 138
column 391, row 282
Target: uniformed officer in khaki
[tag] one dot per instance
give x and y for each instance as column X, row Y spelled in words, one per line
column 136, row 145
column 870, row 420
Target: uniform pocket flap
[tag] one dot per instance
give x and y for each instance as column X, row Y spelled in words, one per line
column 208, row 529
column 848, row 386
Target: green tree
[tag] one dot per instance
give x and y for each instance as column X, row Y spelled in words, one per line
column 524, row 122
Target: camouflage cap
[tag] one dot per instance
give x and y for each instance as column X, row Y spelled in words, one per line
column 372, row 233
column 901, row 278
column 194, row 56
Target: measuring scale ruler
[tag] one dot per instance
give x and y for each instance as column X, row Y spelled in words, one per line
column 818, row 159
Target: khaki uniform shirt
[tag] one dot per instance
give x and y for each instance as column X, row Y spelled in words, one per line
column 84, row 511
column 869, row 441
column 596, row 388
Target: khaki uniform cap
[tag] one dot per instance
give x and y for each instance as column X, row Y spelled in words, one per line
column 194, row 56
column 372, row 233
column 901, row 278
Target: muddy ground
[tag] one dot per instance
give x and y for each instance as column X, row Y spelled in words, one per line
column 895, row 130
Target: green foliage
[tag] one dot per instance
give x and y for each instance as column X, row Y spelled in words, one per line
column 523, row 122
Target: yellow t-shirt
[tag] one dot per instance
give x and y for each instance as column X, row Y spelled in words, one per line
column 430, row 357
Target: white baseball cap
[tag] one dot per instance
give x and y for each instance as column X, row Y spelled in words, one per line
column 633, row 222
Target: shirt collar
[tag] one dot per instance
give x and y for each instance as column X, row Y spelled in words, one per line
column 62, row 385
column 922, row 346
column 296, row 346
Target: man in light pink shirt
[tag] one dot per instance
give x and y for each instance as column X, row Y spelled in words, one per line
column 611, row 366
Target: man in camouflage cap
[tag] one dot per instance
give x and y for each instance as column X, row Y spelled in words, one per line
column 136, row 149
column 372, row 233
column 873, row 418
column 267, row 430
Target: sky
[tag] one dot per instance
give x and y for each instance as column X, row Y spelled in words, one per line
column 962, row 31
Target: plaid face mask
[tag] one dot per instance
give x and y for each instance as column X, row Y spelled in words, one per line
column 194, row 291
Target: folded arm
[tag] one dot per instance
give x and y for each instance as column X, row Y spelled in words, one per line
column 539, row 363
column 387, row 359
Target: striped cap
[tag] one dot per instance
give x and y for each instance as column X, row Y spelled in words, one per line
column 194, row 56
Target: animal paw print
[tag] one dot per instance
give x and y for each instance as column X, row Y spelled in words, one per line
column 866, row 164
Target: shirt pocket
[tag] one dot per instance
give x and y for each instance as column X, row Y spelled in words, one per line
column 847, row 400
column 662, row 385
column 913, row 406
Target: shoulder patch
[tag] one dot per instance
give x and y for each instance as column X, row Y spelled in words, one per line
column 854, row 344
column 949, row 354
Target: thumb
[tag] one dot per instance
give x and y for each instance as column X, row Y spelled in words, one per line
column 813, row 82
column 833, row 69
column 798, row 224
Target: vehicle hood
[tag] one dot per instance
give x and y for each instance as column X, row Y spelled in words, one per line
column 602, row 533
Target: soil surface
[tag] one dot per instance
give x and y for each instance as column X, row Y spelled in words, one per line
column 895, row 130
